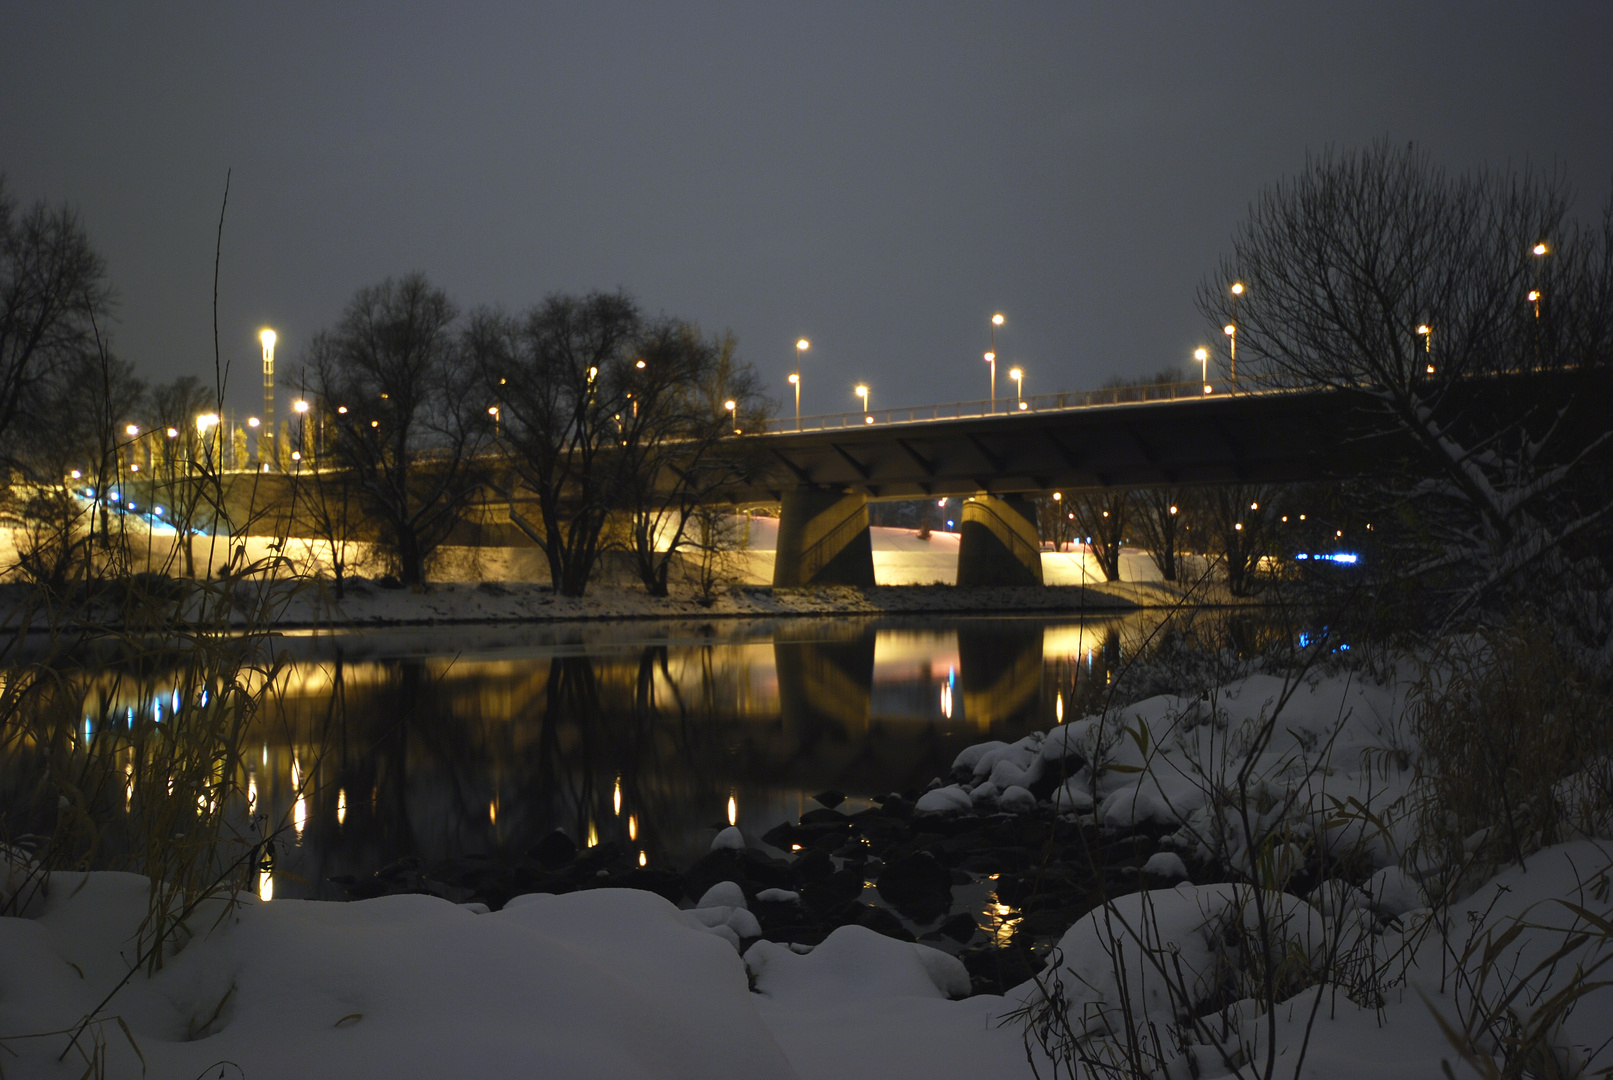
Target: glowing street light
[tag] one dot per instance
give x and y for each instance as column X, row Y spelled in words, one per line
column 266, row 440
column 132, row 429
column 1534, row 298
column 1231, row 331
column 733, row 414
column 1541, row 249
column 1018, row 375
column 862, row 392
column 1426, row 332
column 991, row 358
column 1202, row 355
column 801, row 346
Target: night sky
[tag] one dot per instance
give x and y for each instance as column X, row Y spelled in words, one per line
column 878, row 178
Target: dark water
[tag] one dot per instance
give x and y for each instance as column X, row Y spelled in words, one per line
column 443, row 743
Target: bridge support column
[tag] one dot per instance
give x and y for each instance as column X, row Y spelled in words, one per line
column 999, row 544
column 823, row 539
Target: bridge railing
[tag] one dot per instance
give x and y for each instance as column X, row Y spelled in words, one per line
column 1004, row 406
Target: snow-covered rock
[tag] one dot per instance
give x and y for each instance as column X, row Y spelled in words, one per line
column 944, row 799
column 730, row 839
column 723, row 894
column 1016, row 800
column 855, row 961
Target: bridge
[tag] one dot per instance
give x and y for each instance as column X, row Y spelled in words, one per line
column 825, row 469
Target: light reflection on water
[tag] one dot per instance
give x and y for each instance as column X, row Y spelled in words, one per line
column 444, row 742
column 647, row 735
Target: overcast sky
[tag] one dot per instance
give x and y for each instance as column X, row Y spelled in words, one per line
column 877, row 177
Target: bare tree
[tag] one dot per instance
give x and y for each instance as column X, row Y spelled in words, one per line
column 678, row 448
column 409, row 420
column 53, row 289
column 1472, row 316
column 1158, row 523
column 1238, row 521
column 1101, row 517
column 560, row 376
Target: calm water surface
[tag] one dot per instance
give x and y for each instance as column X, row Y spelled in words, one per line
column 446, row 742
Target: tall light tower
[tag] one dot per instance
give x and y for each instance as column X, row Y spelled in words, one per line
column 266, row 433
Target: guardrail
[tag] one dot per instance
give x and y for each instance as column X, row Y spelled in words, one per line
column 962, row 410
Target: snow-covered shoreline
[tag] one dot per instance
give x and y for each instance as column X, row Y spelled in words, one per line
column 367, row 604
column 612, row 982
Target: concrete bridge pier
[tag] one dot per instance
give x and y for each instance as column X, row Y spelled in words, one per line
column 999, row 544
column 823, row 539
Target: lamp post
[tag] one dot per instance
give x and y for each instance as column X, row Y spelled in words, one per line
column 862, row 392
column 1202, row 355
column 991, row 358
column 1426, row 332
column 1232, row 326
column 733, row 414
column 1018, row 375
column 268, row 339
column 300, row 407
column 1231, row 331
column 801, row 346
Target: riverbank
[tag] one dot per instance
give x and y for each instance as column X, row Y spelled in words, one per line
column 367, row 603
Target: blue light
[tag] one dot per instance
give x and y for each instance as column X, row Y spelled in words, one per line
column 1304, row 639
column 1302, row 557
column 949, row 523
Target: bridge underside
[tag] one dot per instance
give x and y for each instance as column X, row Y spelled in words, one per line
column 823, row 480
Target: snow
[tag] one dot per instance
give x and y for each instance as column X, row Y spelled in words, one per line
column 943, row 799
column 621, row 983
column 730, row 839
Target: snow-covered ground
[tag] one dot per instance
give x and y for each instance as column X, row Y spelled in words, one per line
column 619, row 983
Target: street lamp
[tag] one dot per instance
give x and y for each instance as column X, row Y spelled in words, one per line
column 1541, row 249
column 268, row 338
column 1534, row 298
column 1426, row 332
column 1231, row 331
column 1202, row 355
column 1018, row 376
column 795, row 381
column 733, row 415
column 996, row 321
column 862, row 392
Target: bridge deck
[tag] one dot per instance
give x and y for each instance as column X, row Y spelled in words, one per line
column 1091, row 441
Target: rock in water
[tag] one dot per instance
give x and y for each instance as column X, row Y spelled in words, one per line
column 554, row 850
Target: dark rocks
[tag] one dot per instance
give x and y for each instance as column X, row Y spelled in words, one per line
column 554, row 850
column 995, row 971
column 825, row 895
column 882, row 921
column 918, row 885
column 830, row 798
